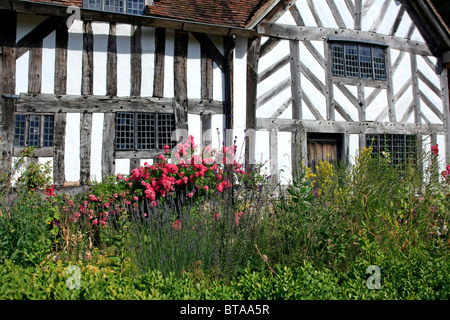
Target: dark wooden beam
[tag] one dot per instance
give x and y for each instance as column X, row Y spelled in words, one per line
column 35, row 36
column 61, row 43
column 87, row 73
column 211, row 49
column 136, row 61
column 85, row 147
column 160, row 49
column 108, row 153
column 35, row 68
column 59, row 145
column 111, row 70
column 8, row 23
column 180, row 79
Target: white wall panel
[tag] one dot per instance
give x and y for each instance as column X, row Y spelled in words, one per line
column 123, row 32
column 48, row 64
column 72, row 148
column 96, row 146
column 100, row 31
column 75, row 58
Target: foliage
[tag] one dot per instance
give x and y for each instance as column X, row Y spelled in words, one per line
column 233, row 240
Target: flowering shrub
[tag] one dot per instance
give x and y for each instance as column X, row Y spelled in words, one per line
column 182, row 173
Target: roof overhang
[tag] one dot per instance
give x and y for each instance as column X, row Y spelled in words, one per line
column 49, row 9
column 430, row 24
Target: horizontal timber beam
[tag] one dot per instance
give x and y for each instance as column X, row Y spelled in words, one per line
column 50, row 103
column 290, row 125
column 320, row 34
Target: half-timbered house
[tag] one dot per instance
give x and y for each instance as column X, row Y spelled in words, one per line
column 98, row 87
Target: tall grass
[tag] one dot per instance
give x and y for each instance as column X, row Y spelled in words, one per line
column 217, row 232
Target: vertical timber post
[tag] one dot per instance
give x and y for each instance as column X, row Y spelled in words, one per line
column 8, row 25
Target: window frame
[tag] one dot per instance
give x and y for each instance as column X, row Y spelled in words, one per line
column 125, row 6
column 339, row 63
column 42, row 142
column 409, row 146
column 155, row 132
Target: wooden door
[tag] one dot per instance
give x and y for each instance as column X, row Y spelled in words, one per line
column 323, row 147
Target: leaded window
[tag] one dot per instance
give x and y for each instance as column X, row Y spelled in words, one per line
column 33, row 130
column 401, row 148
column 355, row 60
column 144, row 131
column 121, row 6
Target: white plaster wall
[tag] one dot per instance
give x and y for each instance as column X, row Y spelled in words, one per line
column 26, row 23
column 122, row 166
column 123, row 32
column 353, row 148
column 48, row 64
column 284, row 157
column 389, row 18
column 22, row 73
column 168, row 64
column 345, row 13
column 218, row 76
column 72, row 148
column 194, row 75
column 75, row 58
column 240, row 94
column 377, row 106
column 96, row 146
column 100, row 31
column 324, row 13
column 307, row 16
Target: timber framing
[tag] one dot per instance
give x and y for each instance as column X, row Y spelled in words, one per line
column 52, row 103
column 48, row 9
column 292, row 125
column 303, row 33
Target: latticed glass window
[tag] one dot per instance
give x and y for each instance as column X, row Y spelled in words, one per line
column 125, row 131
column 401, row 148
column 20, row 123
column 48, row 131
column 122, row 6
column 365, row 61
column 33, row 130
column 144, row 131
column 351, row 61
column 338, row 61
column 166, row 126
column 146, row 135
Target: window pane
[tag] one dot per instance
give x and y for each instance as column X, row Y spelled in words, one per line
column 19, row 130
column 365, row 62
column 92, row 4
column 379, row 63
column 35, row 125
column 48, row 131
column 135, row 6
column 146, row 137
column 166, row 126
column 401, row 147
column 337, row 59
column 351, row 60
column 114, row 5
column 125, row 131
